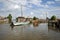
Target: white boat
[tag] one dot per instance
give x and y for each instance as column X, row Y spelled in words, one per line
column 20, row 23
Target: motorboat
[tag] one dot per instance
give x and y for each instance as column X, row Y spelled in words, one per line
column 19, row 23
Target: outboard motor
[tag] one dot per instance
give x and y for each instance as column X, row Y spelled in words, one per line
column 11, row 24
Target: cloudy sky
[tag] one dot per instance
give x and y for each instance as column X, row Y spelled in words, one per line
column 30, row 8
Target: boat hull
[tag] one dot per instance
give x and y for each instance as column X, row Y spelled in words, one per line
column 21, row 23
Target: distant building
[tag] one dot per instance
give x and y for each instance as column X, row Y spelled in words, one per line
column 3, row 19
column 21, row 19
column 28, row 19
column 42, row 20
column 6, row 20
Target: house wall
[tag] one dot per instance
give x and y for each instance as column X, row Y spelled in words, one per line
column 21, row 19
column 6, row 20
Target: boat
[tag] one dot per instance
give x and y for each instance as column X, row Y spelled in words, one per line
column 19, row 23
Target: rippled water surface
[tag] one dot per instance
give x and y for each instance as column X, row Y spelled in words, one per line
column 28, row 32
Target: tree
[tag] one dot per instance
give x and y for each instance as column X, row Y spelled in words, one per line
column 34, row 18
column 53, row 17
column 10, row 18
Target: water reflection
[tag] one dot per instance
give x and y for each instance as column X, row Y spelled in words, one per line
column 28, row 32
column 24, row 26
column 35, row 25
column 54, row 28
column 12, row 27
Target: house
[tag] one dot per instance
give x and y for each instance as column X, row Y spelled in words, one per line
column 21, row 19
column 4, row 20
column 1, row 19
column 28, row 19
column 42, row 20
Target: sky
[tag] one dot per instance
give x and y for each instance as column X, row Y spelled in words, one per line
column 30, row 8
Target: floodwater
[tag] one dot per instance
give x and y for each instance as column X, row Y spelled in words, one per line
column 28, row 32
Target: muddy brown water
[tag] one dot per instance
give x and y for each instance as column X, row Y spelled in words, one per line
column 28, row 32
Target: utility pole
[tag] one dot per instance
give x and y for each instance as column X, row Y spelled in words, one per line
column 46, row 15
column 21, row 12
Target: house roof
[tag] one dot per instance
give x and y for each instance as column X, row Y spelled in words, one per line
column 20, row 17
column 28, row 18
